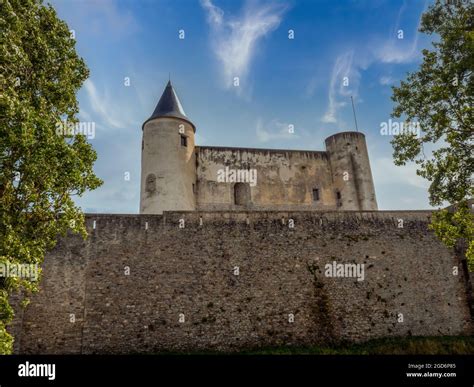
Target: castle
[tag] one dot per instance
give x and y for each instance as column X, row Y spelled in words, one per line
column 178, row 175
column 222, row 261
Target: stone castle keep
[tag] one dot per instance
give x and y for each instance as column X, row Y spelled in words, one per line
column 177, row 175
column 227, row 266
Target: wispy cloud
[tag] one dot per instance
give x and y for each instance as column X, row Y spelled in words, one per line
column 235, row 40
column 396, row 50
column 348, row 65
column 386, row 80
column 215, row 15
column 344, row 83
column 275, row 130
column 100, row 104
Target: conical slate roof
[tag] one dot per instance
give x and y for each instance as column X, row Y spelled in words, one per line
column 169, row 106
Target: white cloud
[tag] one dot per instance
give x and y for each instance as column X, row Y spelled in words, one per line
column 398, row 51
column 344, row 83
column 102, row 106
column 348, row 65
column 395, row 50
column 386, row 80
column 279, row 131
column 235, row 40
column 215, row 15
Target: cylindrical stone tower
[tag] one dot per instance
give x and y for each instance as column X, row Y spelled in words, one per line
column 352, row 176
column 168, row 176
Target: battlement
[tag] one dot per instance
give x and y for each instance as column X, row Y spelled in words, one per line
column 350, row 220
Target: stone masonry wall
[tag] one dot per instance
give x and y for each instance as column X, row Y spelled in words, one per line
column 125, row 289
column 285, row 179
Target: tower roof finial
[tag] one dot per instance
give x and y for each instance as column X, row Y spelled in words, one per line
column 169, row 106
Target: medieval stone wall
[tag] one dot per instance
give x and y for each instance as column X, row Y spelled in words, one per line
column 191, row 281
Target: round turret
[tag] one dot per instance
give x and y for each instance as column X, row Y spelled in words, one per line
column 168, row 173
column 352, row 176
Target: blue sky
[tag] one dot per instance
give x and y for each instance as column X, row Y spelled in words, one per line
column 340, row 48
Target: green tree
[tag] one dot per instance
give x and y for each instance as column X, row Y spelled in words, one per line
column 440, row 97
column 42, row 166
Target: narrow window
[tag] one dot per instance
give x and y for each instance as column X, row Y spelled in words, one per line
column 150, row 183
column 184, row 141
column 315, row 195
column 338, row 197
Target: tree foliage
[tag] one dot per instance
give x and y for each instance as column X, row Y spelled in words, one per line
column 41, row 167
column 440, row 97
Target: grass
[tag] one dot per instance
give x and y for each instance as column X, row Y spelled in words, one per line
column 416, row 345
column 439, row 345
